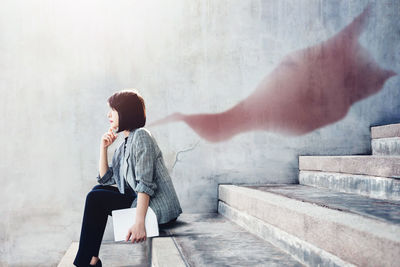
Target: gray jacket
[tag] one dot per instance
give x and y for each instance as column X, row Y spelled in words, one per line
column 144, row 168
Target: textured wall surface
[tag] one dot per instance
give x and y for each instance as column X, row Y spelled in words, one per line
column 60, row 61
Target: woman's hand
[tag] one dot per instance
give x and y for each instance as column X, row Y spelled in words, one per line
column 138, row 233
column 108, row 138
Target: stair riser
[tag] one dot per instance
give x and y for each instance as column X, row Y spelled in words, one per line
column 373, row 243
column 386, row 146
column 302, row 251
column 364, row 165
column 371, row 186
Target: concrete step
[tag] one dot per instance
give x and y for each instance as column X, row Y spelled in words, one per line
column 385, row 140
column 166, row 253
column 317, row 226
column 210, row 239
column 383, row 166
column 115, row 254
column 386, row 146
column 199, row 239
column 366, row 185
column 385, row 131
column 163, row 252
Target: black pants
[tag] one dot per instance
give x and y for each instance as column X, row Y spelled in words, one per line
column 99, row 203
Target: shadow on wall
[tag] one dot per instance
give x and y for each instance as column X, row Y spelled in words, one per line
column 309, row 89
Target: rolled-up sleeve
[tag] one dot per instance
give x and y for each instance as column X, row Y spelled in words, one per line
column 144, row 165
column 107, row 178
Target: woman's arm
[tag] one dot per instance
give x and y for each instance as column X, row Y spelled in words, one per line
column 103, row 162
column 144, row 172
column 105, row 176
column 141, row 208
column 146, row 186
column 106, row 173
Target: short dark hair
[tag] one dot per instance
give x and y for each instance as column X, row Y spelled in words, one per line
column 130, row 107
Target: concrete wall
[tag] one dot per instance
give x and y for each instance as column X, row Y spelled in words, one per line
column 60, row 61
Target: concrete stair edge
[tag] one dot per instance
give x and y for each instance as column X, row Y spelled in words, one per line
column 383, row 131
column 382, row 166
column 301, row 250
column 325, row 228
column 165, row 251
column 69, row 256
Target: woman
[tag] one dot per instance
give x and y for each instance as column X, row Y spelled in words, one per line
column 138, row 170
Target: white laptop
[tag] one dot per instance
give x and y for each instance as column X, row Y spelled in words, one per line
column 123, row 219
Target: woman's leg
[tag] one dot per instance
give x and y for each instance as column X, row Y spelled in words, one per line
column 94, row 259
column 99, row 204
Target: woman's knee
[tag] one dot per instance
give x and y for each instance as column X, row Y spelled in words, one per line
column 92, row 195
column 99, row 186
column 100, row 191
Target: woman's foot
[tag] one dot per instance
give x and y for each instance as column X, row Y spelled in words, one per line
column 98, row 263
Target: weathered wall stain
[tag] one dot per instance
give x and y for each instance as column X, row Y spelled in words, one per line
column 309, row 89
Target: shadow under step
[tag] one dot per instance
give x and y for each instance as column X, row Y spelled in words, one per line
column 386, row 146
column 370, row 186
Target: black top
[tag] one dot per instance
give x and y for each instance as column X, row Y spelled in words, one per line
column 127, row 186
column 126, row 139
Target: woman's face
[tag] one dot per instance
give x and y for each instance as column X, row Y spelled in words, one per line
column 113, row 118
